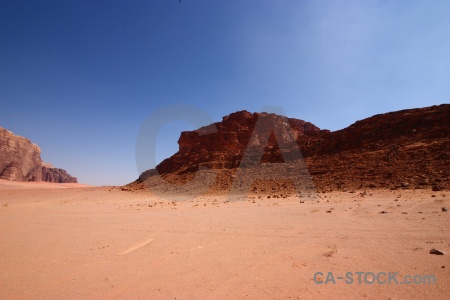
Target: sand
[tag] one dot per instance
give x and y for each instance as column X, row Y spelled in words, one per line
column 14, row 185
column 78, row 242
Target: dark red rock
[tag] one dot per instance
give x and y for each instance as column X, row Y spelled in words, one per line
column 380, row 152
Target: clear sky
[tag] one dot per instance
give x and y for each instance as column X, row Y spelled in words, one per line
column 79, row 78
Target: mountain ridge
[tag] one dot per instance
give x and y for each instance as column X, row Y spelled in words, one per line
column 401, row 149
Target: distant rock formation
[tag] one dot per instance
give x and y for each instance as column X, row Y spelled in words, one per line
column 20, row 160
column 224, row 148
column 402, row 149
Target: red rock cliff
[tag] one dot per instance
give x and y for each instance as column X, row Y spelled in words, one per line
column 407, row 149
column 20, row 160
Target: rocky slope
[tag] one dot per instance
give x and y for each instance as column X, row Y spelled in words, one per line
column 20, row 160
column 402, row 149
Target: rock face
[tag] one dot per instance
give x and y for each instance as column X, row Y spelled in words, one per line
column 402, row 149
column 57, row 175
column 225, row 146
column 20, row 160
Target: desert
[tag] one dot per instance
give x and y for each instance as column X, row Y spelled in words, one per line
column 193, row 149
column 359, row 213
column 106, row 243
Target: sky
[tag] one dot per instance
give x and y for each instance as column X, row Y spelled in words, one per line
column 79, row 78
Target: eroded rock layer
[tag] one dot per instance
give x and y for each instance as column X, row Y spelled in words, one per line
column 20, row 160
column 402, row 149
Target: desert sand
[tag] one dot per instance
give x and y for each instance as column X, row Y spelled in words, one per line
column 77, row 242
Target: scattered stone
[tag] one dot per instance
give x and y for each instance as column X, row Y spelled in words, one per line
column 444, row 209
column 328, row 211
column 405, row 184
column 383, row 212
column 436, row 252
column 301, row 201
column 404, row 213
column 436, row 188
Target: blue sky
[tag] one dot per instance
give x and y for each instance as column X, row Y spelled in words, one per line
column 80, row 77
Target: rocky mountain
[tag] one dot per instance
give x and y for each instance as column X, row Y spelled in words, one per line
column 224, row 147
column 20, row 160
column 402, row 149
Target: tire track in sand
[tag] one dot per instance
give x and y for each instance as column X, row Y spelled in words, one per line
column 135, row 247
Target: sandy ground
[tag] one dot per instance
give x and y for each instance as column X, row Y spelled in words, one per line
column 103, row 243
column 14, row 185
